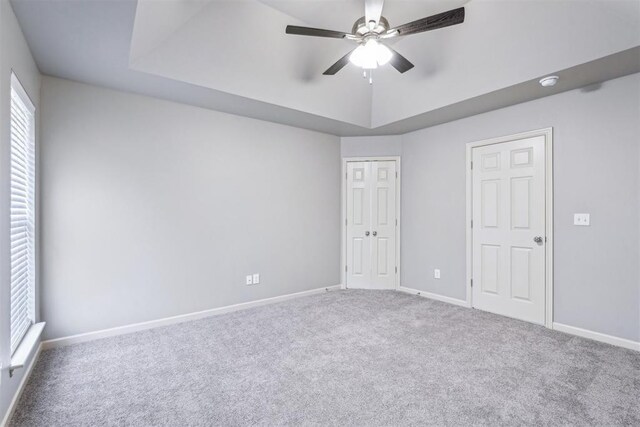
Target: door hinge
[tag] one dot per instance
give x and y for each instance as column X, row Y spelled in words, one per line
column 471, row 223
column 472, row 283
column 345, row 221
column 471, row 165
column 396, row 174
column 345, row 268
column 396, row 222
column 396, row 270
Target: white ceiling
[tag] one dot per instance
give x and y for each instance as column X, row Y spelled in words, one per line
column 233, row 55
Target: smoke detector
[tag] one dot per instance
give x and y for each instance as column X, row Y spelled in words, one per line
column 549, row 81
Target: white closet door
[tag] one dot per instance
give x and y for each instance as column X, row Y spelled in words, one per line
column 509, row 229
column 358, row 224
column 383, row 224
column 371, row 225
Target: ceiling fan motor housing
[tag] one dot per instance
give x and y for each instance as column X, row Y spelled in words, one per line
column 360, row 27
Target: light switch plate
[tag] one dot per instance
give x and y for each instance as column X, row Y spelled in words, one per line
column 581, row 219
column 249, row 280
column 256, row 279
column 436, row 273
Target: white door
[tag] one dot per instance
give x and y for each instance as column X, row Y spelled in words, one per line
column 509, row 229
column 371, row 225
column 358, row 224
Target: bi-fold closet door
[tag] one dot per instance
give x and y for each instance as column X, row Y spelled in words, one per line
column 371, row 223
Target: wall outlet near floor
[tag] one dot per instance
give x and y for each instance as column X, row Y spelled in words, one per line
column 436, row 273
column 249, row 279
column 256, row 278
column 581, row 219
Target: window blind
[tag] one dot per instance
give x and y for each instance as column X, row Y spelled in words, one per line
column 22, row 213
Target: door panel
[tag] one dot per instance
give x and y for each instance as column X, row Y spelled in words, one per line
column 509, row 213
column 358, row 224
column 490, row 264
column 382, row 251
column 358, row 206
column 521, row 273
column 490, row 202
column 382, row 205
column 520, row 202
column 371, row 224
column 358, row 256
column 383, row 222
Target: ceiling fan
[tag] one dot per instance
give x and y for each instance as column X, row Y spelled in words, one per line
column 373, row 28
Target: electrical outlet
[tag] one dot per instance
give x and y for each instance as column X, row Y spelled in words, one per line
column 581, row 219
column 256, row 278
column 436, row 273
column 249, row 280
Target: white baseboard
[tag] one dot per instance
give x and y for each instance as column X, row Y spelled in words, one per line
column 20, row 389
column 127, row 329
column 454, row 301
column 597, row 336
column 584, row 333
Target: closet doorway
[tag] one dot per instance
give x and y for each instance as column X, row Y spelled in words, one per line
column 371, row 223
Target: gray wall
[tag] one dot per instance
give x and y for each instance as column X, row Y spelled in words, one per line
column 153, row 209
column 14, row 55
column 596, row 163
column 194, row 235
column 371, row 146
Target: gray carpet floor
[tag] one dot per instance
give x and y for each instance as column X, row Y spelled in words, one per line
column 341, row 358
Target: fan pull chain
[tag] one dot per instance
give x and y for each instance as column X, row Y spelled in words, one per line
column 364, row 75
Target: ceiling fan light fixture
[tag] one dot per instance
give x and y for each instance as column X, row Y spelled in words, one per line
column 383, row 54
column 362, row 57
column 370, row 55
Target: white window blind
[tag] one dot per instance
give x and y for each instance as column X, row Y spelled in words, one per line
column 22, row 213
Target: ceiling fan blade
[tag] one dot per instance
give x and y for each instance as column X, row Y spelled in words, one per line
column 373, row 10
column 399, row 62
column 315, row 32
column 441, row 20
column 339, row 65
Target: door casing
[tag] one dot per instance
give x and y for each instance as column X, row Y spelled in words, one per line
column 343, row 209
column 547, row 133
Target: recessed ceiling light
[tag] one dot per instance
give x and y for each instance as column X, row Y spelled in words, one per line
column 549, row 81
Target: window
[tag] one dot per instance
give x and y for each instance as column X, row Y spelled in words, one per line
column 23, row 169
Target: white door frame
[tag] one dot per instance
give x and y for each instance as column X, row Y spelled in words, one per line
column 547, row 133
column 343, row 209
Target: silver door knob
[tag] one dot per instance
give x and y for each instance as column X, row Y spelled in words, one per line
column 537, row 239
column 366, row 233
column 375, row 233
